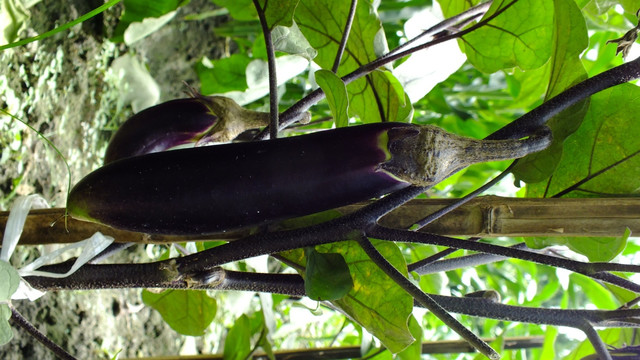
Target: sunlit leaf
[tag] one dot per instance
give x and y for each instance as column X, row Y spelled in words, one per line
column 337, row 96
column 374, row 98
column 565, row 69
column 520, row 36
column 227, row 74
column 603, row 156
column 237, row 345
column 189, row 312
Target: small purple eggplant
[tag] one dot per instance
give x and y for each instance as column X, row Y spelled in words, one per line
column 159, row 128
column 179, row 122
column 216, row 188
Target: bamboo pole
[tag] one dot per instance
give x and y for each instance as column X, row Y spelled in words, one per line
column 487, row 216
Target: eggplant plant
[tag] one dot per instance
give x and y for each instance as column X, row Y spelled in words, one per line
column 285, row 188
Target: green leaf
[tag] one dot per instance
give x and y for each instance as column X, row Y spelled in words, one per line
column 189, row 312
column 237, row 345
column 291, row 41
column 6, row 333
column 597, row 249
column 414, row 351
column 138, row 10
column 243, row 10
column 376, row 302
column 378, row 98
column 279, row 12
column 520, row 36
column 565, row 70
column 327, row 276
column 597, row 293
column 9, row 280
column 336, row 93
column 602, row 156
column 548, row 346
column 227, row 74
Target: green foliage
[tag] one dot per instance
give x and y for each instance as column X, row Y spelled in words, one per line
column 520, row 36
column 237, row 346
column 189, row 312
column 226, row 74
column 337, row 96
column 327, row 276
column 375, row 301
column 563, row 71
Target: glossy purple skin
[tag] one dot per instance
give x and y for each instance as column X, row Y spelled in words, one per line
column 216, row 188
column 159, row 128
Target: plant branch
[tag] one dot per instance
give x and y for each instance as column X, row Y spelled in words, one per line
column 425, row 300
column 428, row 266
column 593, row 270
column 453, row 23
column 345, row 36
column 273, row 79
column 22, row 322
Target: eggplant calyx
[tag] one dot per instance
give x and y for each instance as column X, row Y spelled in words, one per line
column 425, row 155
column 233, row 119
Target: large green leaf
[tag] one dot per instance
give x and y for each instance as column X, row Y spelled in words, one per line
column 277, row 12
column 603, row 156
column 376, row 302
column 377, row 97
column 189, row 312
column 520, row 36
column 564, row 70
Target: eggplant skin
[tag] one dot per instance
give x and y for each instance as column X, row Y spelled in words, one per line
column 213, row 189
column 160, row 127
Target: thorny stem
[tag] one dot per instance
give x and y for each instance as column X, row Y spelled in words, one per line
column 20, row 320
column 425, row 300
column 271, row 61
column 345, row 36
column 429, row 266
column 593, row 270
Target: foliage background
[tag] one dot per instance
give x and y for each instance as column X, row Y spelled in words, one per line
column 65, row 86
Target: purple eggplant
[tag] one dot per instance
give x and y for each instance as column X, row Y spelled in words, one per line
column 216, row 188
column 161, row 127
column 183, row 121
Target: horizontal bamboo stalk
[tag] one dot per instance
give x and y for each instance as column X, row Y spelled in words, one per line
column 488, row 216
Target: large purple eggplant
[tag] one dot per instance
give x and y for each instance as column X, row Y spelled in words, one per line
column 222, row 187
